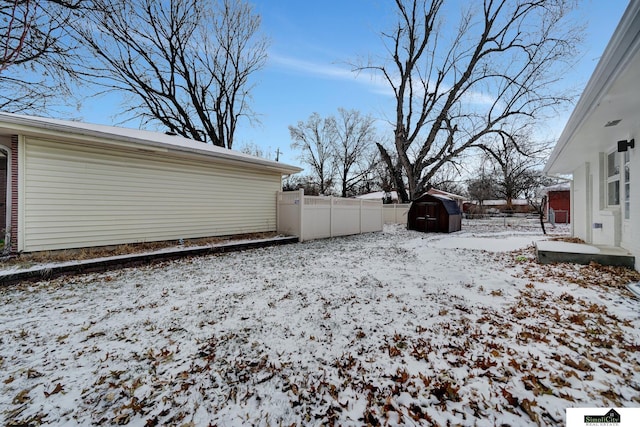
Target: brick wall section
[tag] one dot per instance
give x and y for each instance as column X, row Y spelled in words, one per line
column 14, row 194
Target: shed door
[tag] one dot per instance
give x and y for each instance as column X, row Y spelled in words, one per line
column 427, row 216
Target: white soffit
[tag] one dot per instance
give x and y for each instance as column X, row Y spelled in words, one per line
column 612, row 93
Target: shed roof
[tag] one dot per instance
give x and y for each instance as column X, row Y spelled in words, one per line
column 436, row 192
column 450, row 205
column 563, row 186
column 132, row 138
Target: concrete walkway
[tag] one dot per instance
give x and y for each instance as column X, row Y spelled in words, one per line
column 52, row 270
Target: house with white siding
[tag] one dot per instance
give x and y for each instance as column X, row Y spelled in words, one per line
column 72, row 185
column 599, row 147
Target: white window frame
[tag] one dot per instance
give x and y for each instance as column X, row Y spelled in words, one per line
column 612, row 178
column 626, row 173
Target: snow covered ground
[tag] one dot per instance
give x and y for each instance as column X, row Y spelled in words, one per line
column 397, row 328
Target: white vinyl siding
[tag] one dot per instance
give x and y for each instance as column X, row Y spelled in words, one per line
column 80, row 196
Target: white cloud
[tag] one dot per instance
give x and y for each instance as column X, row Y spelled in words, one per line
column 332, row 71
column 374, row 82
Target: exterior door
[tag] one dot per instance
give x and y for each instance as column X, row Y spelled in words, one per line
column 427, row 216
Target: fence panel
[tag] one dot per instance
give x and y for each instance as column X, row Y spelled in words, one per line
column 317, row 218
column 289, row 206
column 312, row 217
column 396, row 213
column 346, row 217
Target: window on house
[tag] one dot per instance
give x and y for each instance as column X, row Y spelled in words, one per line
column 613, row 179
column 627, row 186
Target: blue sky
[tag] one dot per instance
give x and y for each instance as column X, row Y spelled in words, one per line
column 308, row 68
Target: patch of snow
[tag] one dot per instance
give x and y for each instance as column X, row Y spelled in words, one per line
column 506, row 244
column 397, row 327
column 574, row 248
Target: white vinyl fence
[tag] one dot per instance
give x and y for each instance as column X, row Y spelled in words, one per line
column 313, row 217
column 396, row 213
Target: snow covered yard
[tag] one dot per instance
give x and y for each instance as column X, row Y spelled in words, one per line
column 391, row 328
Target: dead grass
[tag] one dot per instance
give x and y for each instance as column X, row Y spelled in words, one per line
column 28, row 259
column 568, row 240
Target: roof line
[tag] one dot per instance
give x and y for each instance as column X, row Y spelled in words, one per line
column 619, row 52
column 141, row 137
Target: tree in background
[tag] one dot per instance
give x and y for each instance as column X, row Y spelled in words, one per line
column 482, row 188
column 450, row 95
column 516, row 162
column 338, row 149
column 186, row 64
column 35, row 53
column 314, row 139
column 352, row 149
column 537, row 197
column 254, row 149
column 447, row 179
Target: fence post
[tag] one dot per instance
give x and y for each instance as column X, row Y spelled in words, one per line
column 330, row 216
column 360, row 221
column 278, row 211
column 301, row 215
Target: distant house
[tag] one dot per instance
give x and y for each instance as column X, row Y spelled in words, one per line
column 599, row 146
column 559, row 199
column 386, row 196
column 73, row 185
column 498, row 206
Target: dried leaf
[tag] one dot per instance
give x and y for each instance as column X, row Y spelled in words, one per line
column 513, row 401
column 526, row 405
column 57, row 389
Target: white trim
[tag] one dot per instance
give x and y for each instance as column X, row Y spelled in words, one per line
column 610, row 179
column 7, row 201
column 131, row 138
column 20, row 226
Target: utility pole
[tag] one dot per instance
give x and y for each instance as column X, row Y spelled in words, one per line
column 277, row 154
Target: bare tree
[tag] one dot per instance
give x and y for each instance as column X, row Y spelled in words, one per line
column 516, row 160
column 34, row 53
column 452, row 94
column 536, row 196
column 186, row 64
column 314, row 138
column 254, row 149
column 482, row 188
column 351, row 145
column 447, row 179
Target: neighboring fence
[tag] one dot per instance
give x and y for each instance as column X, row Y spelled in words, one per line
column 396, row 213
column 313, row 217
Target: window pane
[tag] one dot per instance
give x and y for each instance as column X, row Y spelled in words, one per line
column 627, row 189
column 613, row 164
column 613, row 190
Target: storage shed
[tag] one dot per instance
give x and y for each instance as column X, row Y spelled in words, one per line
column 74, row 185
column 434, row 214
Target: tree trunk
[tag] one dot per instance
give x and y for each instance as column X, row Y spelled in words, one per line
column 396, row 174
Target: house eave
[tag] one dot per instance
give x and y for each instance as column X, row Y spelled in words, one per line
column 133, row 138
column 619, row 53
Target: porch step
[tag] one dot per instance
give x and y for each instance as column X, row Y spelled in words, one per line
column 548, row 252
